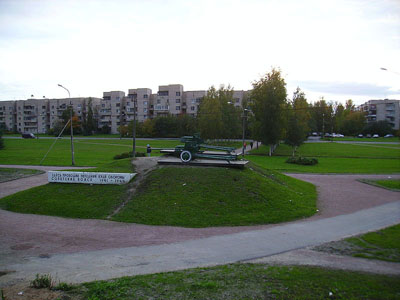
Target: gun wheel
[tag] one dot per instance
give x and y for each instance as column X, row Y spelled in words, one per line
column 186, row 156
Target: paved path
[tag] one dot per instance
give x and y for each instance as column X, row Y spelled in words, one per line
column 13, row 186
column 93, row 249
column 217, row 250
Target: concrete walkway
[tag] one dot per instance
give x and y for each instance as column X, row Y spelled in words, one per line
column 217, row 250
column 13, row 186
column 84, row 250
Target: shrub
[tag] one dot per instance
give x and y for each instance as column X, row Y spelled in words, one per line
column 129, row 154
column 62, row 286
column 42, row 281
column 302, row 161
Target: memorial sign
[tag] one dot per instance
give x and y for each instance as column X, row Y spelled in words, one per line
column 89, row 177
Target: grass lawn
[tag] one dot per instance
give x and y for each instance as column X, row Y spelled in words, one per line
column 72, row 200
column 329, row 165
column 337, row 150
column 245, row 281
column 87, row 152
column 204, row 197
column 382, row 245
column 7, row 174
column 390, row 184
column 333, row 158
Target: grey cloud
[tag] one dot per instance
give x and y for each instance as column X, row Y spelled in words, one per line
column 347, row 88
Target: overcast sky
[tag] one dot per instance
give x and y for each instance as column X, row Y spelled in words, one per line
column 329, row 48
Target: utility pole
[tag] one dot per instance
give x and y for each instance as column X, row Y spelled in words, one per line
column 70, row 120
column 134, row 129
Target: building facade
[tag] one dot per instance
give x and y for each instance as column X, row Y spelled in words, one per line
column 113, row 110
column 382, row 110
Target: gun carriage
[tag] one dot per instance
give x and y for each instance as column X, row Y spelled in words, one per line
column 195, row 147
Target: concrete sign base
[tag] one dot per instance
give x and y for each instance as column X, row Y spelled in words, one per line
column 89, row 177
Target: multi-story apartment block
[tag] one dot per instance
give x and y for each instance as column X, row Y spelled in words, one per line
column 169, row 100
column 113, row 110
column 382, row 110
column 139, row 99
column 192, row 100
column 7, row 115
column 110, row 110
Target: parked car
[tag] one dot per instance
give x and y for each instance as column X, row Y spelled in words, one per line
column 389, row 135
column 360, row 135
column 28, row 136
column 314, row 134
column 339, row 135
column 368, row 135
column 375, row 135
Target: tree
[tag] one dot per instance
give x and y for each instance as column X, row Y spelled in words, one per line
column 269, row 97
column 210, row 115
column 1, row 139
column 297, row 128
column 88, row 121
column 381, row 127
column 353, row 123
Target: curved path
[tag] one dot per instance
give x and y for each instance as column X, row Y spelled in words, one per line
column 96, row 249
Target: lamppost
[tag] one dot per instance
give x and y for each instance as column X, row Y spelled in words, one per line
column 134, row 128
column 245, row 110
column 70, row 120
column 384, row 69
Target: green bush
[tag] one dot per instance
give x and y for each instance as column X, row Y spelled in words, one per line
column 129, row 154
column 42, row 281
column 302, row 161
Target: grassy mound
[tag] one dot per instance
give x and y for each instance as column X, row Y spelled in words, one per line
column 204, row 197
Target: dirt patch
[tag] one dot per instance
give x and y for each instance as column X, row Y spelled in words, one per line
column 143, row 166
column 24, row 292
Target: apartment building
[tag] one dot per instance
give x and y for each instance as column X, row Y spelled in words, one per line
column 113, row 110
column 141, row 100
column 382, row 110
column 7, row 115
column 40, row 115
column 110, row 110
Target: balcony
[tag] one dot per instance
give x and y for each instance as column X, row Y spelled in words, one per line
column 160, row 108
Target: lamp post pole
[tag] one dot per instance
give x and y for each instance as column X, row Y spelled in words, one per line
column 70, row 120
column 134, row 129
column 245, row 110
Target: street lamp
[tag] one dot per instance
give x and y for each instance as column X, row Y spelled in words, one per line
column 384, row 69
column 245, row 110
column 134, row 127
column 70, row 120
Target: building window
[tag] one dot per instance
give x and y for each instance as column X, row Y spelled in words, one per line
column 158, row 101
column 192, row 108
column 163, row 93
column 178, row 94
column 145, row 96
column 178, row 108
column 145, row 110
column 128, row 103
column 103, row 105
column 145, row 103
column 52, row 106
column 178, row 100
column 117, row 104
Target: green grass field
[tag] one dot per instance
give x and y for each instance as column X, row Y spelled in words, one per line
column 330, row 165
column 203, row 197
column 245, row 281
column 333, row 158
column 383, row 245
column 87, row 152
column 72, row 200
column 389, row 183
column 337, row 150
column 7, row 174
